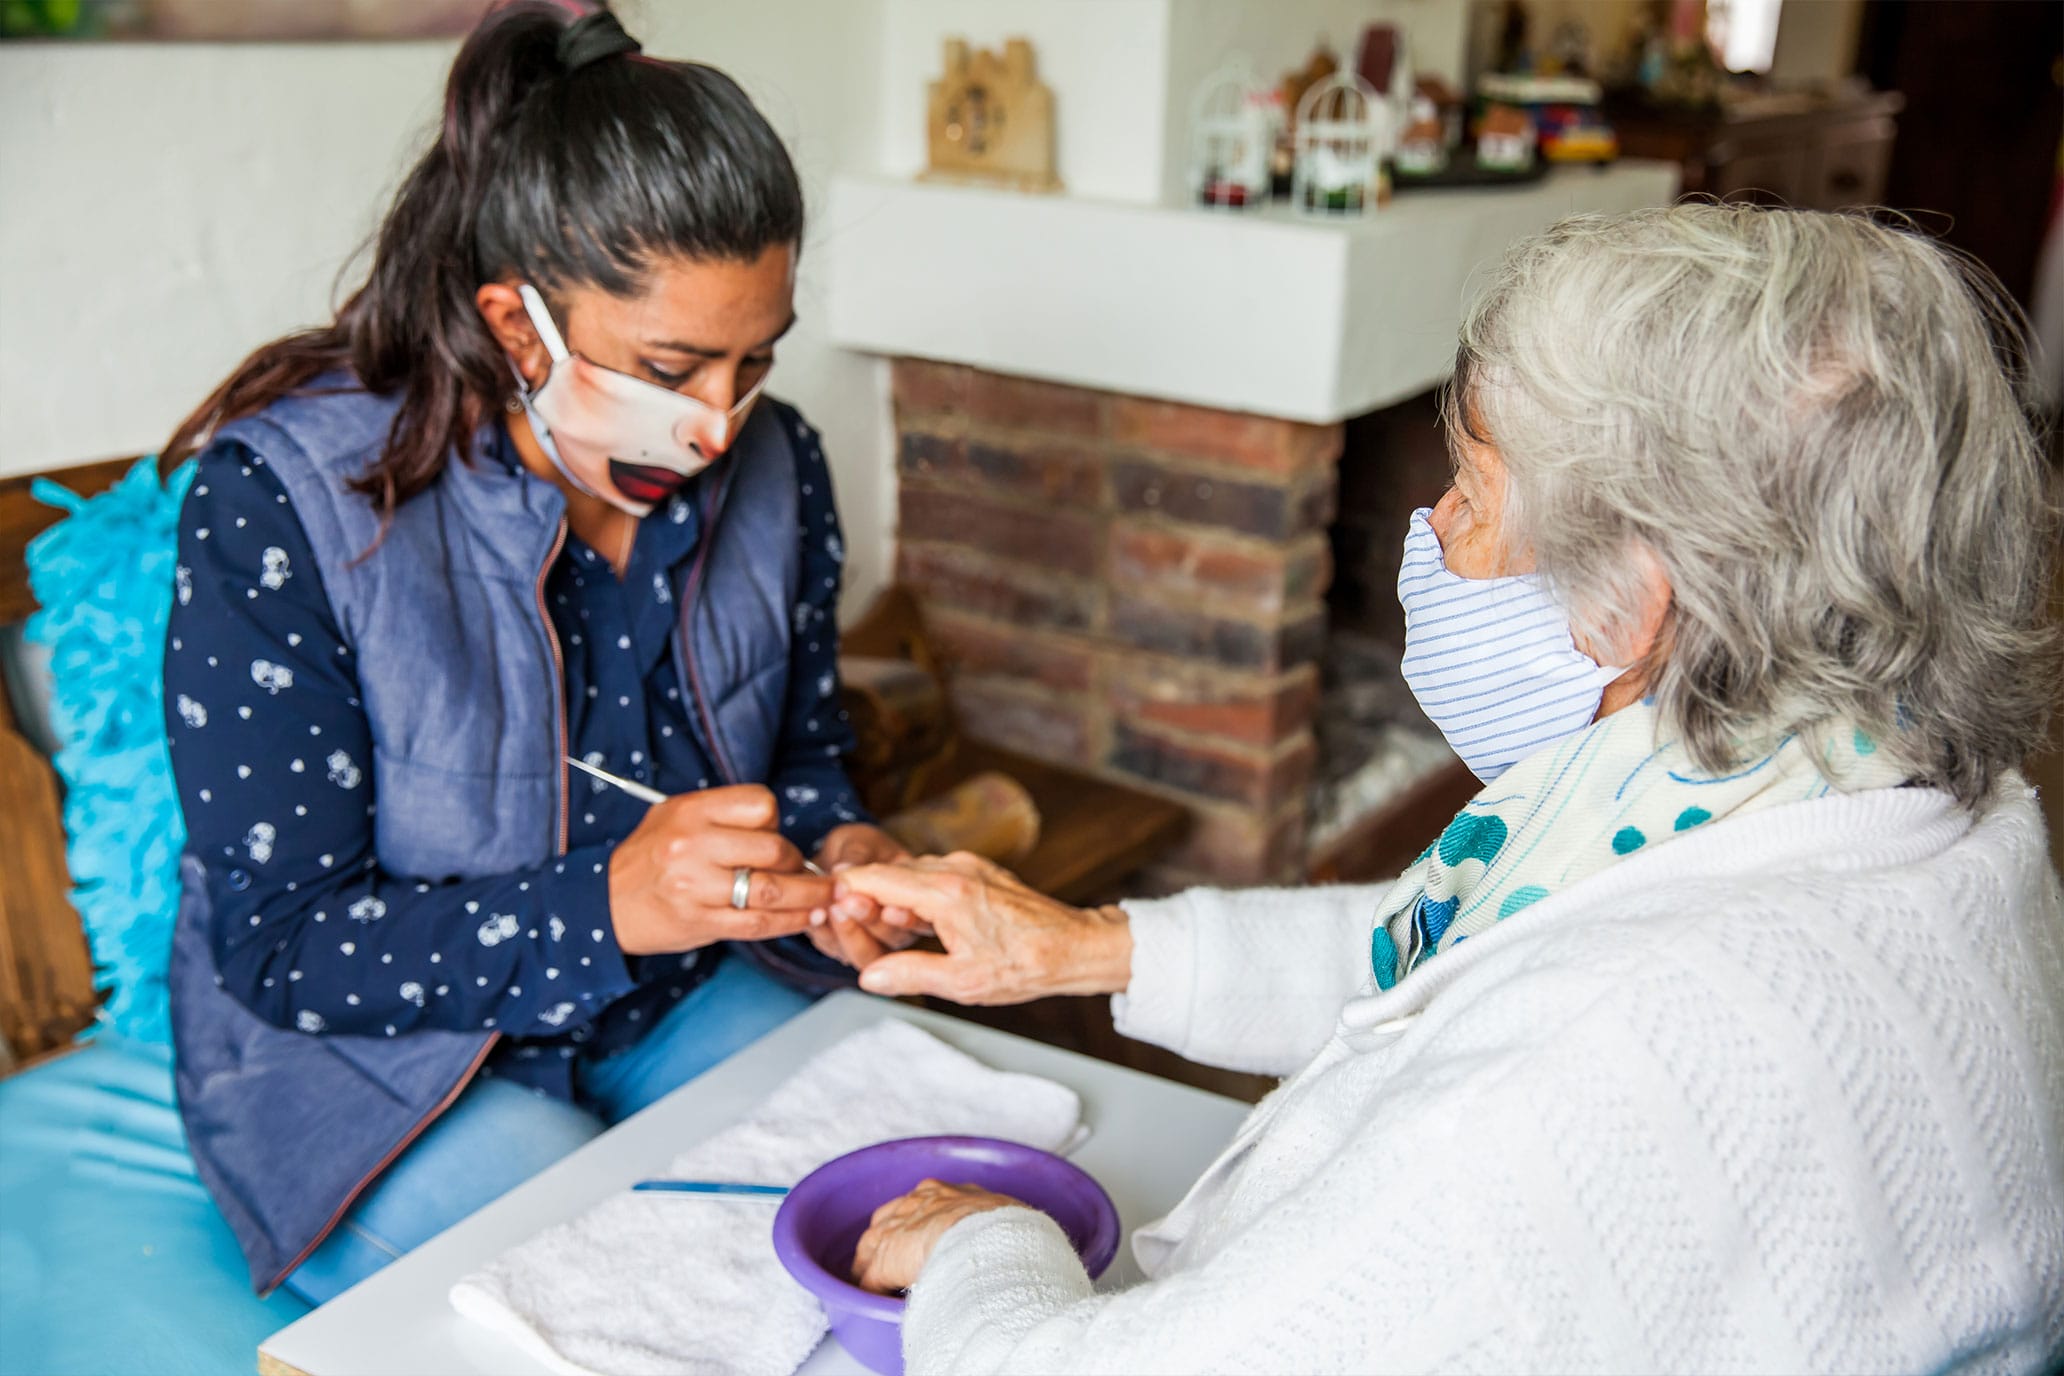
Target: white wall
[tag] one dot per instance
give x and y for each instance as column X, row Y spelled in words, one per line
column 166, row 208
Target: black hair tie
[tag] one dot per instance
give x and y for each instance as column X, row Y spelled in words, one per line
column 591, row 38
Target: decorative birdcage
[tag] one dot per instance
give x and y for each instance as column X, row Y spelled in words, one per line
column 1233, row 129
column 1343, row 135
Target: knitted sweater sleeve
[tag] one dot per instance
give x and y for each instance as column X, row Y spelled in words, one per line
column 1250, row 980
column 1432, row 1225
column 1362, row 1260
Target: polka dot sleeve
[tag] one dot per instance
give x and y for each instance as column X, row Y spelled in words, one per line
column 809, row 779
column 271, row 752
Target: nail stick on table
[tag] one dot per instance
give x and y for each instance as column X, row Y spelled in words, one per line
column 724, row 1187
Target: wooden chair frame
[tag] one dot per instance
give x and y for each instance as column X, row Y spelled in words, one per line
column 46, row 974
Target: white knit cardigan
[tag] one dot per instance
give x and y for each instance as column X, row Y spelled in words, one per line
column 1783, row 1095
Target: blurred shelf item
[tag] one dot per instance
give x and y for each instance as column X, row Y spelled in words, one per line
column 990, row 119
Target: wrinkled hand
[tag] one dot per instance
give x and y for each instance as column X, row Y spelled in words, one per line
column 1005, row 942
column 854, row 929
column 900, row 1238
column 670, row 881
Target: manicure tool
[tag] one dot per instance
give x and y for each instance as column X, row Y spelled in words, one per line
column 653, row 795
column 713, row 1187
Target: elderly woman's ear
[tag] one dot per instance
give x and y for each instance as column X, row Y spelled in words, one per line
column 1639, row 636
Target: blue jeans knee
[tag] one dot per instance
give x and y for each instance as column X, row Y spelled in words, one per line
column 494, row 1138
column 729, row 1011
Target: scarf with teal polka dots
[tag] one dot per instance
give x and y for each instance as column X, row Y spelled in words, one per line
column 1568, row 811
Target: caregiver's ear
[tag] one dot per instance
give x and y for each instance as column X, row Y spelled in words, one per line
column 501, row 306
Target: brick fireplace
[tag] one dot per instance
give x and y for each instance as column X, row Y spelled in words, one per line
column 1129, row 563
column 1135, row 587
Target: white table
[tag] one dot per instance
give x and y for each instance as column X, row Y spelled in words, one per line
column 1151, row 1138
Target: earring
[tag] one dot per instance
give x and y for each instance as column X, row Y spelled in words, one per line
column 514, row 406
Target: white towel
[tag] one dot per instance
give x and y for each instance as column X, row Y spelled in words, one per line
column 665, row 1283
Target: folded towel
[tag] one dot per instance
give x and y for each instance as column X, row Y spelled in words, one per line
column 666, row 1283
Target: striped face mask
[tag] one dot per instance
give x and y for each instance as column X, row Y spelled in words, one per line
column 1491, row 660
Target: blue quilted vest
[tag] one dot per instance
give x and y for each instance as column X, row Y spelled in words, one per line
column 459, row 675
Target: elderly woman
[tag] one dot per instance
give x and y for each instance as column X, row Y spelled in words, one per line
column 1725, row 1028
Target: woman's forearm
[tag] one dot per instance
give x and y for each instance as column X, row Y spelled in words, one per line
column 1102, row 961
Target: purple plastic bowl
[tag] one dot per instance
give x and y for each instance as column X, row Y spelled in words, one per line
column 821, row 1221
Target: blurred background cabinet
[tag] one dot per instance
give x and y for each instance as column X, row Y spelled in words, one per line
column 1816, row 152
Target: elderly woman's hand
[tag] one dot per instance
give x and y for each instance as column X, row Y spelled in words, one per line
column 1005, row 942
column 901, row 1236
column 856, row 930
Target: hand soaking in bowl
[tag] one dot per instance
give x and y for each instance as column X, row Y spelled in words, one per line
column 821, row 1222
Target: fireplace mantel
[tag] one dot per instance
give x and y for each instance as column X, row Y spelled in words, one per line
column 1266, row 312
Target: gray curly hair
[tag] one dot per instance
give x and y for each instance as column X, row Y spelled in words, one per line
column 1815, row 422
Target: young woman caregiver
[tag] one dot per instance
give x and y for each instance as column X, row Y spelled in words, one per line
column 524, row 498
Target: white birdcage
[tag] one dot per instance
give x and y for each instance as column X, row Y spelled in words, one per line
column 1343, row 134
column 1233, row 128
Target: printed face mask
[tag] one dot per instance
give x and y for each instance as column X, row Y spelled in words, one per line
column 1491, row 660
column 629, row 442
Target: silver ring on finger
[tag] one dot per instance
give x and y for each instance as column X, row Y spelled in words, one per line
column 741, row 887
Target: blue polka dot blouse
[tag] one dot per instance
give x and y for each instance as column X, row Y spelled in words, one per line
column 270, row 749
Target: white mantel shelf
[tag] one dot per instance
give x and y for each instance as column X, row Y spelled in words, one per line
column 1266, row 312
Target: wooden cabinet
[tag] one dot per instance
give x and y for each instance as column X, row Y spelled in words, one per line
column 1812, row 152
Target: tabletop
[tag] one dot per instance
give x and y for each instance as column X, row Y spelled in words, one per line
column 1150, row 1138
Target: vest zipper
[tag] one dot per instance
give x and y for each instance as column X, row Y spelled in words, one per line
column 703, row 715
column 473, row 1068
column 558, row 680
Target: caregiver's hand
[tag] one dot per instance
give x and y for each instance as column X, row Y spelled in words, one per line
column 900, row 1237
column 670, row 881
column 854, row 929
column 1005, row 942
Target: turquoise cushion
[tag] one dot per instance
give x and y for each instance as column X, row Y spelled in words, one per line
column 112, row 1256
column 103, row 576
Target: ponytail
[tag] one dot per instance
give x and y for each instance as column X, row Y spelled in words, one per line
column 564, row 159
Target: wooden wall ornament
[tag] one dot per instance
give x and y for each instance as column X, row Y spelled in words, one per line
column 989, row 119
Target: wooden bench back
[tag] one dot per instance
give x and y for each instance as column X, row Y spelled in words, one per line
column 46, row 976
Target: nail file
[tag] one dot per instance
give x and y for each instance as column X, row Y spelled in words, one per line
column 652, row 795
column 713, row 1187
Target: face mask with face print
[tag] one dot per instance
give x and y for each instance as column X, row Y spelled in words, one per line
column 629, row 442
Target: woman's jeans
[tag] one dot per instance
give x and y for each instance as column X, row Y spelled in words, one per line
column 499, row 1133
